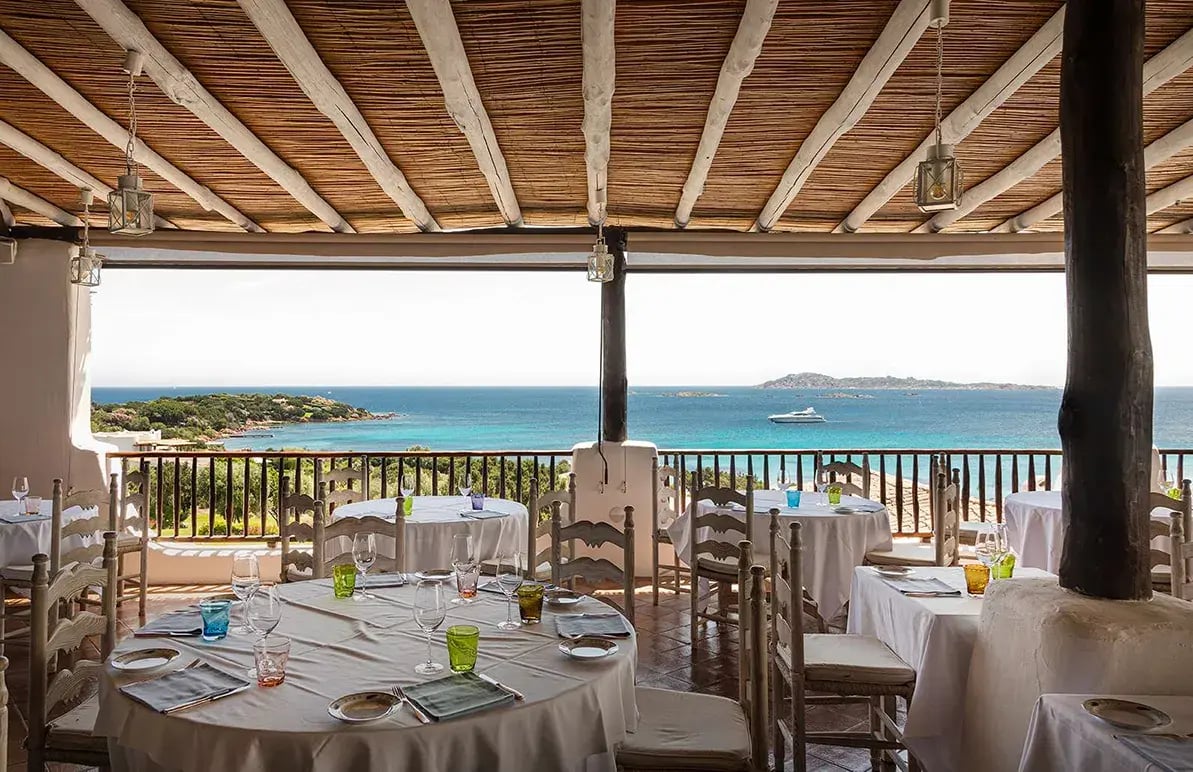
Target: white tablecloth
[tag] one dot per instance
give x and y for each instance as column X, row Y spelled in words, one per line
column 1062, row 737
column 434, row 520
column 573, row 716
column 936, row 637
column 27, row 536
column 833, row 543
column 1036, row 527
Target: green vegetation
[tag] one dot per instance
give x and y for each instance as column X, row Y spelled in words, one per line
column 211, row 416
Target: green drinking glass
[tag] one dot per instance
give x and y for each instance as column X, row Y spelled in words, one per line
column 462, row 643
column 834, row 495
column 343, row 579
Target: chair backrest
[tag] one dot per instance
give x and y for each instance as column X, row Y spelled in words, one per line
column 56, row 526
column 291, row 528
column 752, row 605
column 75, row 676
column 3, row 714
column 947, row 528
column 841, row 473
column 87, row 548
column 665, row 501
column 329, row 551
column 344, row 486
column 720, row 521
column 594, row 570
column 135, row 495
column 1182, row 558
column 538, row 530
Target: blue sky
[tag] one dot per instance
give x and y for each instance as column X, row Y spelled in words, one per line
column 224, row 328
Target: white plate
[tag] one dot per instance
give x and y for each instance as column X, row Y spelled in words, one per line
column 589, row 648
column 894, row 570
column 562, row 597
column 1125, row 714
column 435, row 574
column 145, row 659
column 362, row 707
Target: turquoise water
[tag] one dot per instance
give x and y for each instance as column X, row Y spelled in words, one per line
column 466, row 418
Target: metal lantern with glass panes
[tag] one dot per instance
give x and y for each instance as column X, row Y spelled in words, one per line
column 938, row 181
column 600, row 262
column 85, row 263
column 130, row 207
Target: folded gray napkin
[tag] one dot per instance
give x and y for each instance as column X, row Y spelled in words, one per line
column 1167, row 753
column 383, row 580
column 931, row 586
column 608, row 625
column 183, row 688
column 175, row 624
column 7, row 518
column 456, row 695
column 483, row 514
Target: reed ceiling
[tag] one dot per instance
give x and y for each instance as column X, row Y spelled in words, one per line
column 527, row 61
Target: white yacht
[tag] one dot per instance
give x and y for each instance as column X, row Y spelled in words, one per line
column 805, row 416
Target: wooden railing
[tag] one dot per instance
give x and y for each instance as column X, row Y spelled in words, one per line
column 234, row 495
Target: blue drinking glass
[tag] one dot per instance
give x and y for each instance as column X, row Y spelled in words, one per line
column 216, row 615
column 793, row 498
column 478, row 501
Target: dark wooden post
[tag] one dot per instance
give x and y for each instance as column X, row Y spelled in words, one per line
column 613, row 375
column 1106, row 414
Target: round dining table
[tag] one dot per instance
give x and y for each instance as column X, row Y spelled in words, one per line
column 834, row 542
column 500, row 528
column 23, row 536
column 573, row 715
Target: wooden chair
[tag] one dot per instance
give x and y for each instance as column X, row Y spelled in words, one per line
column 716, row 559
column 539, row 525
column 132, row 538
column 21, row 576
column 665, row 507
column 297, row 564
column 594, row 570
column 840, row 473
column 63, row 705
column 343, row 486
column 691, row 731
column 3, row 714
column 838, row 668
column 1164, row 562
column 945, row 548
column 328, row 550
column 1182, row 558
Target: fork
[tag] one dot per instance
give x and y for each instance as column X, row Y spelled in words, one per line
column 418, row 714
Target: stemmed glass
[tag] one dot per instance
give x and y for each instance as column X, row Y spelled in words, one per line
column 467, row 569
column 429, row 611
column 265, row 608
column 364, row 555
column 509, row 579
column 465, row 487
column 407, row 486
column 20, row 489
column 991, row 545
column 246, row 577
column 781, row 481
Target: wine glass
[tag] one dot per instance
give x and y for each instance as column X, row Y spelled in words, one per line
column 509, row 579
column 429, row 611
column 465, row 487
column 364, row 555
column 991, row 545
column 781, row 481
column 265, row 608
column 407, row 486
column 20, row 489
column 467, row 568
column 246, row 577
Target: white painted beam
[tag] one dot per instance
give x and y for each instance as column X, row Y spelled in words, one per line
column 6, row 215
column 894, row 43
column 596, row 32
column 441, row 37
column 1183, row 227
column 961, row 122
column 739, row 63
column 1170, row 195
column 31, row 69
column 35, row 151
column 21, row 197
column 281, row 30
column 1161, row 68
column 181, row 86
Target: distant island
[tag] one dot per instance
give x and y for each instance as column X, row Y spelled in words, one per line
column 886, row 382
column 213, row 416
column 691, row 394
column 845, row 395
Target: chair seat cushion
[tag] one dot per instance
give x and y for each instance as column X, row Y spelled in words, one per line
column 904, row 553
column 17, row 574
column 684, row 730
column 717, row 569
column 73, row 730
column 969, row 530
column 1162, row 575
column 860, row 659
column 128, row 542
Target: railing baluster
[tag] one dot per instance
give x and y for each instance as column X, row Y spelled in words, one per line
column 766, row 467
column 716, row 469
column 176, row 493
column 982, row 485
column 245, row 493
column 915, row 487
column 518, row 480
column 1031, row 471
column 210, row 502
column 502, row 493
column 1014, row 473
column 263, row 494
column 899, row 492
column 385, row 477
column 997, row 490
column 228, row 496
column 882, row 477
column 194, row 491
column 799, row 470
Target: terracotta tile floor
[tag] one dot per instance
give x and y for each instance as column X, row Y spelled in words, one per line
column 666, row 658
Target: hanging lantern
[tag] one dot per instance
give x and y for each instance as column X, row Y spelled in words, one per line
column 938, row 179
column 600, row 262
column 85, row 262
column 130, row 207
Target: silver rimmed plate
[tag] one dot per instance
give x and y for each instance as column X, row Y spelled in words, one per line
column 588, row 648
column 561, row 597
column 1125, row 714
column 145, row 659
column 894, row 571
column 361, row 707
column 435, row 574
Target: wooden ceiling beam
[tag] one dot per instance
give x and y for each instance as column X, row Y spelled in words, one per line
column 29, row 67
column 1183, row 227
column 34, row 203
column 739, row 63
column 596, row 32
column 1161, row 68
column 1006, row 80
column 281, row 30
column 441, row 38
column 901, row 33
column 6, row 216
column 184, row 89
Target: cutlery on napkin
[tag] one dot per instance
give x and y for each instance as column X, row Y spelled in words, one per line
column 455, row 695
column 186, row 688
column 602, row 625
column 1169, row 752
column 182, row 623
column 483, row 514
column 922, row 587
column 518, row 696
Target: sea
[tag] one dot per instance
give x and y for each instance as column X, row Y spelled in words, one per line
column 555, row 418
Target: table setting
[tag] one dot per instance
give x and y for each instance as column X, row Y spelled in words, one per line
column 430, row 674
column 26, row 522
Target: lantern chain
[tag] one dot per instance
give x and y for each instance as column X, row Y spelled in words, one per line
column 939, row 76
column 129, row 149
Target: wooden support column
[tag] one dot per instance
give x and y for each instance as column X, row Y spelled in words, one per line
column 615, row 386
column 1106, row 412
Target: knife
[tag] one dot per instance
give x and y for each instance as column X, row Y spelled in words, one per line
column 205, row 700
column 517, row 695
